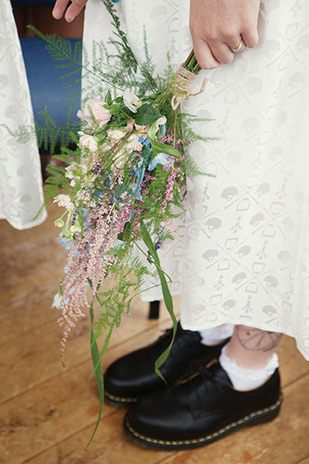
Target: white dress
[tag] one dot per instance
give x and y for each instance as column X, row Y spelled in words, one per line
column 20, row 173
column 242, row 255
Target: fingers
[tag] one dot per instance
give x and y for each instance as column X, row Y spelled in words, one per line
column 212, row 54
column 224, row 52
column 213, row 49
column 204, row 55
column 74, row 9
column 237, row 45
column 59, row 8
column 250, row 37
column 222, row 28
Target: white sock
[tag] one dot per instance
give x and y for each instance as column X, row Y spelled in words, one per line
column 216, row 334
column 243, row 378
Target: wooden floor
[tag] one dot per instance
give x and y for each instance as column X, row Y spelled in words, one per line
column 47, row 412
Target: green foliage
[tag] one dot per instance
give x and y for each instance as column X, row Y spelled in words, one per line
column 146, row 115
column 109, row 72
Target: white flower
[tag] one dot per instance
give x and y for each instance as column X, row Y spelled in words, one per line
column 58, row 303
column 160, row 122
column 88, row 142
column 131, row 101
column 65, row 201
column 69, row 172
column 75, row 228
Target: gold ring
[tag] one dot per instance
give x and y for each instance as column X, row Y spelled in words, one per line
column 237, row 48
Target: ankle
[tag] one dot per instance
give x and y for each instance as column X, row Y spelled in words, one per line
column 244, row 378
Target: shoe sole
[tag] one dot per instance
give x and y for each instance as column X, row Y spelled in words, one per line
column 255, row 418
column 117, row 401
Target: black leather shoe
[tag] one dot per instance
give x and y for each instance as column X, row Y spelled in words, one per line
column 133, row 375
column 200, row 410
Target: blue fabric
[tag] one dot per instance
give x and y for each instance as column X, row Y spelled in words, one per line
column 46, row 88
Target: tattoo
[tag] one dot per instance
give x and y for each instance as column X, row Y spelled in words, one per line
column 252, row 339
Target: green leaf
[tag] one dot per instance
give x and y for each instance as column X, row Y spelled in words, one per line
column 159, row 147
column 146, row 115
column 166, row 296
column 98, row 372
column 108, row 98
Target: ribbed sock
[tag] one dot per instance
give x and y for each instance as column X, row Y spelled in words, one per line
column 216, row 334
column 243, row 378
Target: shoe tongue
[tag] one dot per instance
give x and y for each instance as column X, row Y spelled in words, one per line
column 220, row 374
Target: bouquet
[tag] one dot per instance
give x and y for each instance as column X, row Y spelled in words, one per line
column 120, row 190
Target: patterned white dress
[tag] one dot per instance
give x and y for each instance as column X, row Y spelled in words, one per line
column 20, row 172
column 242, row 254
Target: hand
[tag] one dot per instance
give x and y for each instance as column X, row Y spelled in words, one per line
column 72, row 11
column 217, row 25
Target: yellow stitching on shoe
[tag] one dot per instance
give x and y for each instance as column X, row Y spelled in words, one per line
column 208, row 437
column 119, row 399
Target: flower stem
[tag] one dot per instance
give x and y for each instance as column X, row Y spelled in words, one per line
column 191, row 64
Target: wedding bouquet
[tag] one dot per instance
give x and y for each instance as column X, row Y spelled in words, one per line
column 120, row 190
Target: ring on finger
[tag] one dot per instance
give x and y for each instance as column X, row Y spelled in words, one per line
column 238, row 47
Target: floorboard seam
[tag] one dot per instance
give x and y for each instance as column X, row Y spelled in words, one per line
column 303, row 460
column 292, row 382
column 54, row 445
column 68, row 369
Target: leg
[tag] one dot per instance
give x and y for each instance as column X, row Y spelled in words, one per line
column 250, row 359
column 252, row 348
column 154, row 310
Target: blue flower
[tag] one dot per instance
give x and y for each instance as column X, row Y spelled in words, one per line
column 137, row 193
column 160, row 158
column 162, row 130
column 145, row 142
column 118, row 244
column 99, row 194
column 66, row 243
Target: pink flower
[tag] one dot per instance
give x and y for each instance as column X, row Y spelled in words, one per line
column 84, row 117
column 100, row 113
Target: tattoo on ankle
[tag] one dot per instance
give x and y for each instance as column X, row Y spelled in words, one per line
column 252, row 339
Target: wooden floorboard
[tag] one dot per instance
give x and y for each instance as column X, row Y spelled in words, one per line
column 47, row 412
